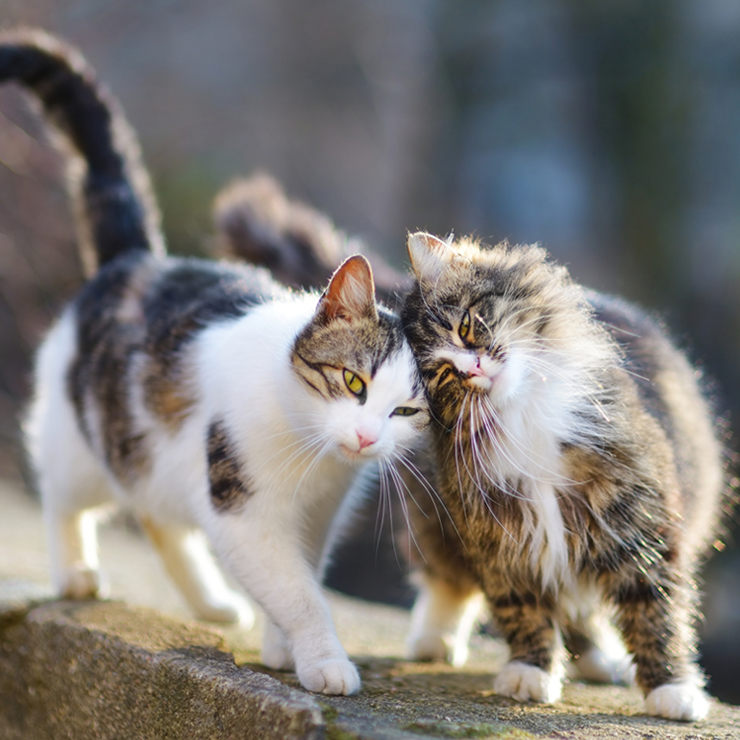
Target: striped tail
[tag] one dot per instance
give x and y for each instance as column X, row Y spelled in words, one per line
column 116, row 209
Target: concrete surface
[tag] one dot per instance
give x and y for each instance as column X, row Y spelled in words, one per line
column 114, row 669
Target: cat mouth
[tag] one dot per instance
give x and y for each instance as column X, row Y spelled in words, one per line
column 355, row 455
column 479, row 383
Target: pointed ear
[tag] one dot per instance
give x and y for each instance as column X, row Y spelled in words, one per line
column 351, row 292
column 429, row 256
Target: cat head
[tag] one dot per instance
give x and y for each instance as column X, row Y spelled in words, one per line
column 363, row 395
column 491, row 325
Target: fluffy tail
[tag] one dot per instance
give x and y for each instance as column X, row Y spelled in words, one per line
column 116, row 210
column 258, row 223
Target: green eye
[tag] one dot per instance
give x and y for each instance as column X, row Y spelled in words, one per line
column 404, row 411
column 464, row 329
column 355, row 384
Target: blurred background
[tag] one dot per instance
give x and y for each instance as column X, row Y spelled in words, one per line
column 606, row 131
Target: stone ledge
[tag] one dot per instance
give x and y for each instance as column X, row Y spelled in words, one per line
column 104, row 670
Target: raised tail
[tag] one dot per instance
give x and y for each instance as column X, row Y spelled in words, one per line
column 116, row 209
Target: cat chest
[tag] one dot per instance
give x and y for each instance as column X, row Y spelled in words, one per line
column 516, row 528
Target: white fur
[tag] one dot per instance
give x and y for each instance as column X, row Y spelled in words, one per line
column 276, row 544
column 429, row 255
column 607, row 661
column 441, row 623
column 682, row 700
column 525, row 682
column 534, row 397
column 525, row 448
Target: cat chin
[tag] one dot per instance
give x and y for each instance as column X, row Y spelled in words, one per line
column 354, row 457
column 480, row 383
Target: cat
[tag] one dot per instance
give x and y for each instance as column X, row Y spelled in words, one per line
column 579, row 464
column 205, row 397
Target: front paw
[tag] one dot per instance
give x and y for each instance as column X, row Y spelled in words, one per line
column 334, row 676
column 525, row 682
column 682, row 700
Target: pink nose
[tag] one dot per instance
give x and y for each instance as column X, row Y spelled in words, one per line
column 365, row 441
column 477, row 370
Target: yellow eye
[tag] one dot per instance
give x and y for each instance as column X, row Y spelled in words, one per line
column 355, row 384
column 464, row 329
column 404, row 411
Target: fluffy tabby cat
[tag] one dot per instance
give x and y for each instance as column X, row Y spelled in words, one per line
column 578, row 461
column 205, row 397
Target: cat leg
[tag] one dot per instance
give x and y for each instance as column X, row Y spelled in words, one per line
column 442, row 620
column 655, row 613
column 267, row 559
column 72, row 487
column 449, row 598
column 190, row 565
column 535, row 668
column 73, row 550
column 277, row 652
column 599, row 655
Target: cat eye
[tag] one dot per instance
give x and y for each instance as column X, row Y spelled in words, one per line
column 464, row 329
column 404, row 411
column 355, row 384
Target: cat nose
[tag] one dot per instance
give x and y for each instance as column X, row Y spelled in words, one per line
column 365, row 440
column 477, row 370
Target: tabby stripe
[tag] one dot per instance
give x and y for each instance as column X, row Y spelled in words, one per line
column 228, row 490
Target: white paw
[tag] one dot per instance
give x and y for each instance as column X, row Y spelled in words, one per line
column 335, row 676
column 597, row 666
column 682, row 700
column 276, row 652
column 79, row 582
column 433, row 646
column 229, row 609
column 527, row 682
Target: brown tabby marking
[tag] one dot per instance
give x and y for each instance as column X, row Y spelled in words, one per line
column 228, row 490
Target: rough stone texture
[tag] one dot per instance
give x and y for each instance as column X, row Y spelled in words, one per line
column 104, row 669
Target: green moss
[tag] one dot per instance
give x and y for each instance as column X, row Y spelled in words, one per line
column 333, row 732
column 337, row 733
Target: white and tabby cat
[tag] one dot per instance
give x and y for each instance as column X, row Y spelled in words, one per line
column 205, row 397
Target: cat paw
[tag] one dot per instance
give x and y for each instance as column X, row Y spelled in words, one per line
column 527, row 683
column 597, row 666
column 336, row 676
column 79, row 582
column 432, row 646
column 231, row 609
column 682, row 700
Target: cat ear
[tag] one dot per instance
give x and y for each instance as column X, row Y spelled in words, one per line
column 429, row 255
column 351, row 292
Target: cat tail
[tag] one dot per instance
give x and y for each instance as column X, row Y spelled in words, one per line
column 116, row 211
column 258, row 223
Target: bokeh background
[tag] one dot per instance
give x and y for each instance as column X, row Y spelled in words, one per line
column 609, row 132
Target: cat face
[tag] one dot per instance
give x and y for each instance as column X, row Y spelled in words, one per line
column 364, row 396
column 489, row 325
